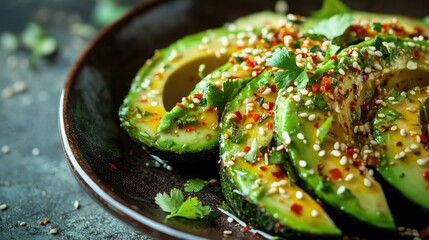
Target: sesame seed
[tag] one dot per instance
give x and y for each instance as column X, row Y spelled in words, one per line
column 5, row 149
column 314, row 213
column 412, row 65
column 341, row 71
column 381, row 115
column 422, row 162
column 54, row 231
column 341, row 190
column 367, row 182
column 418, row 138
column 227, row 232
column 249, row 126
column 311, row 117
column 343, row 160
column 414, row 146
column 335, row 153
column 195, row 100
column 349, row 177
column 321, row 153
column 316, row 147
column 303, row 115
column 355, row 54
column 266, row 91
column 225, row 75
column 280, row 147
column 289, row 89
column 22, row 224
column 368, row 70
column 261, row 131
column 401, row 154
column 154, row 103
column 76, row 204
column 411, row 109
column 403, row 132
column 378, row 66
column 265, row 106
column 302, row 163
column 411, row 44
column 297, row 98
column 336, row 145
column 169, row 168
column 230, row 219
column 304, row 92
column 286, row 137
column 241, row 154
column 308, row 103
column 393, row 128
column 3, row 207
column 355, row 64
column 282, row 191
column 299, row 195
column 300, row 136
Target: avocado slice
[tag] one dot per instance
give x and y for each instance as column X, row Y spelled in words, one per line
column 401, row 129
column 172, row 73
column 252, row 178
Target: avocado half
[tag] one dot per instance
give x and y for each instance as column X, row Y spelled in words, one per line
column 172, row 73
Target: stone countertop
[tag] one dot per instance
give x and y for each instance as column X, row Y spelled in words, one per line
column 35, row 180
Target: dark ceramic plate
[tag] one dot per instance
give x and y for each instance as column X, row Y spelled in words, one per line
column 110, row 166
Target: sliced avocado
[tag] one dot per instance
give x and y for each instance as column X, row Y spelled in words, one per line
column 172, row 73
column 253, row 182
column 401, row 128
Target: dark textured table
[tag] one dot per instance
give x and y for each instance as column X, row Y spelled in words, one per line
column 35, row 180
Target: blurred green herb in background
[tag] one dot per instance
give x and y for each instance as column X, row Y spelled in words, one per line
column 107, row 11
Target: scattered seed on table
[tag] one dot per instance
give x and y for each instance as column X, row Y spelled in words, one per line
column 230, row 219
column 76, row 204
column 5, row 149
column 35, row 152
column 22, row 224
column 3, row 207
column 54, row 231
column 227, row 232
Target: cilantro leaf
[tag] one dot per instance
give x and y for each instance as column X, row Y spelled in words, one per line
column 330, row 8
column 376, row 26
column 194, row 185
column 324, row 128
column 191, row 209
column 170, row 203
column 107, row 11
column 334, row 26
column 230, row 89
column 285, row 60
column 251, row 155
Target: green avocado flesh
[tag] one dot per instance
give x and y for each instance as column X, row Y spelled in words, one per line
column 401, row 128
column 250, row 166
column 169, row 75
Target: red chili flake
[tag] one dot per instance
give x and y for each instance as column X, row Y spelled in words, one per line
column 423, row 233
column 271, row 105
column 246, row 149
column 296, row 208
column 263, row 168
column 233, row 159
column 349, row 152
column 315, row 87
column 198, row 95
column 278, row 226
column 254, row 234
column 187, row 99
column 335, row 57
column 269, row 125
column 341, row 78
column 239, row 116
column 423, row 138
column 190, row 129
column 180, row 105
column 320, row 166
column 316, row 124
column 256, row 117
column 245, row 229
column 326, row 84
column 279, row 174
column 143, row 100
column 273, row 88
column 211, row 109
column 426, row 175
column 113, row 166
column 158, row 75
column 203, row 123
column 335, row 174
column 262, row 89
column 416, row 54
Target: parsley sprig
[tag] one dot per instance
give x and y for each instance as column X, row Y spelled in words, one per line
column 174, row 204
column 285, row 60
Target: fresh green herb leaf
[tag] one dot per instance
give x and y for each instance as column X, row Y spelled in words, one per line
column 170, row 203
column 195, row 185
column 44, row 47
column 376, row 26
column 392, row 115
column 333, row 49
column 285, row 60
column 320, row 102
column 330, row 8
column 9, row 42
column 334, row 26
column 107, row 11
column 275, row 157
column 230, row 89
column 236, row 135
column 426, row 21
column 324, row 128
column 35, row 39
column 192, row 208
column 302, row 78
column 251, row 155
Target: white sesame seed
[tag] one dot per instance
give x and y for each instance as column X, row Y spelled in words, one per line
column 22, row 224
column 289, row 89
column 411, row 44
column 418, row 138
column 297, row 98
column 230, row 219
column 401, row 154
column 414, row 146
column 411, row 109
column 304, row 92
column 343, row 160
column 381, row 115
column 314, row 213
column 349, row 177
column 403, row 132
column 355, row 65
column 249, row 126
column 316, row 147
column 367, row 182
column 170, row 168
column 300, row 136
column 54, row 231
column 76, row 204
column 280, row 147
column 422, row 162
column 3, row 207
column 412, row 65
column 378, row 66
column 227, row 232
column 261, row 131
column 195, row 100
column 311, row 117
column 336, row 145
column 266, row 91
column 225, row 75
column 368, row 70
column 302, row 163
column 321, row 153
column 308, row 103
column 5, row 149
column 241, row 154
column 265, row 106
column 282, row 191
column 286, row 137
column 335, row 153
column 355, row 54
column 341, row 190
column 303, row 115
column 299, row 195
column 341, row 71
